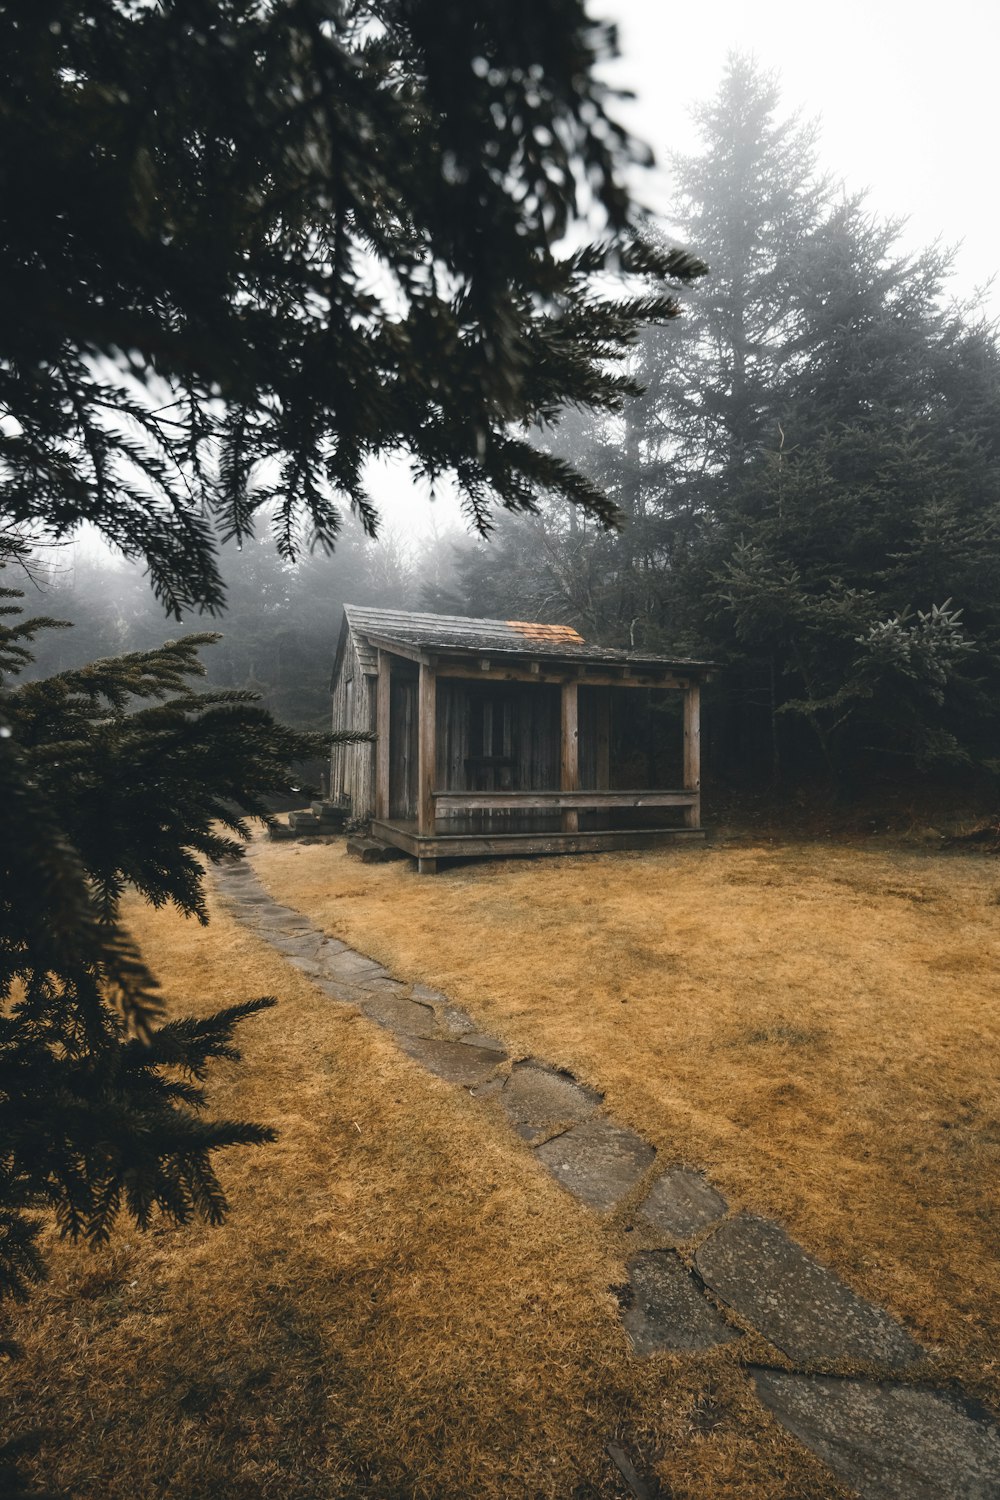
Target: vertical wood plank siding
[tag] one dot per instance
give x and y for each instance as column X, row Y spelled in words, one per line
column 352, row 767
column 403, row 746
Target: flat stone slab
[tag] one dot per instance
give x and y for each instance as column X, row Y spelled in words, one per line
column 277, row 922
column 296, row 944
column 889, row 1442
column 402, row 1016
column 803, row 1309
column 330, row 947
column 452, row 1061
column 480, row 1039
column 339, row 989
column 267, row 909
column 427, row 996
column 597, row 1162
column 307, row 966
column 354, row 967
column 537, row 1099
column 669, row 1310
column 379, row 986
column 450, row 1018
column 681, row 1204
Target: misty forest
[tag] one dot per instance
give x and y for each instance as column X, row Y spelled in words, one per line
column 658, row 1169
column 807, row 488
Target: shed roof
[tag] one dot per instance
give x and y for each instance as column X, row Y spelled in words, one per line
column 464, row 636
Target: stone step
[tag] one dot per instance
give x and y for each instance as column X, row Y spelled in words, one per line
column 304, row 822
column 332, row 816
column 281, row 831
column 372, row 851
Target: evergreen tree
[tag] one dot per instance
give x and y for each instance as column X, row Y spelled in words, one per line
column 808, row 480
column 117, row 774
column 707, row 393
column 247, row 247
column 753, row 196
column 852, row 565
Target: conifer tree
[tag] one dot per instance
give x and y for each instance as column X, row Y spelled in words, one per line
column 810, row 476
column 245, row 247
column 117, row 774
column 753, row 194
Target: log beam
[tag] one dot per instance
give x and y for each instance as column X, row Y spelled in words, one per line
column 569, row 760
column 692, row 753
column 458, row 802
column 553, row 673
column 382, row 702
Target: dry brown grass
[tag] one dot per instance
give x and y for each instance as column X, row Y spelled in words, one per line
column 814, row 1024
column 402, row 1303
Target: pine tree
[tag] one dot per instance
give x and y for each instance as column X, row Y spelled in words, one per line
column 247, row 247
column 752, row 195
column 117, row 774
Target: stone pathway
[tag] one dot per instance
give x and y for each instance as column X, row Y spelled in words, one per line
column 713, row 1276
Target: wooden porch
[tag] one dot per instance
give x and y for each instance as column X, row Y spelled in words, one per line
column 479, row 758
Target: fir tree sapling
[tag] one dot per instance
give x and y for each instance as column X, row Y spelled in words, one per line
column 118, row 774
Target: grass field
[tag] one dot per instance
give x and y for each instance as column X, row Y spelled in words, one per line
column 403, row 1304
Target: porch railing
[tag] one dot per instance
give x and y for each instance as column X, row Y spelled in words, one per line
column 460, row 802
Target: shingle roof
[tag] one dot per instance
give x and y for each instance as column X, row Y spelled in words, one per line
column 499, row 637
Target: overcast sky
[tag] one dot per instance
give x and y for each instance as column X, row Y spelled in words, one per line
column 906, row 96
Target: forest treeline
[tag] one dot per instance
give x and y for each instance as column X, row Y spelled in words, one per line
column 281, row 620
column 809, row 486
column 811, row 480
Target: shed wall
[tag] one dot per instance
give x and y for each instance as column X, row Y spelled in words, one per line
column 352, row 767
column 497, row 737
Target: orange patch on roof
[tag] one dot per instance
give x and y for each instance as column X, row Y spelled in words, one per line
column 545, row 632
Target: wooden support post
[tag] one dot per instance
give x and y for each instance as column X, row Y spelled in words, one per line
column 603, row 737
column 426, row 749
column 692, row 753
column 426, row 866
column 382, row 701
column 569, row 774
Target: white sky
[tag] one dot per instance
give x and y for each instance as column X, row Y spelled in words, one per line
column 907, row 99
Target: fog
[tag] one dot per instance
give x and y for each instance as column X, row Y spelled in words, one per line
column 904, row 94
column 904, row 103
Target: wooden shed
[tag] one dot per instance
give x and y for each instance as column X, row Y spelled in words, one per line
column 503, row 737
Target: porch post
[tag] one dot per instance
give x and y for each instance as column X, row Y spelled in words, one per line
column 692, row 752
column 382, row 701
column 426, row 758
column 569, row 776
